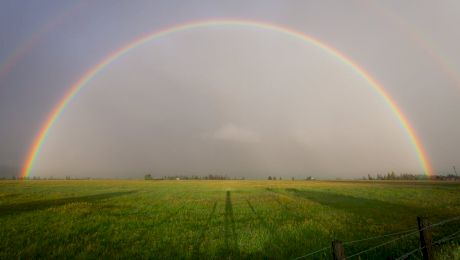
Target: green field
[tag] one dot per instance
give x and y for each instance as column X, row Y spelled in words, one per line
column 219, row 219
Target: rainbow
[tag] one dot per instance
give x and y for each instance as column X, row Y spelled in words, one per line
column 23, row 49
column 92, row 72
column 424, row 43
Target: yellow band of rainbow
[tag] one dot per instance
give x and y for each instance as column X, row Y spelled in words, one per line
column 58, row 109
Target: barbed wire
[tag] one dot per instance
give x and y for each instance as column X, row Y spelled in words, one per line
column 312, row 253
column 380, row 245
column 401, row 237
column 447, row 238
column 386, row 235
column 444, row 239
column 441, row 222
column 409, row 253
column 356, row 241
column 405, row 232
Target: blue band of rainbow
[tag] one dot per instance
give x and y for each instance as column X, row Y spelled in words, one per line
column 91, row 73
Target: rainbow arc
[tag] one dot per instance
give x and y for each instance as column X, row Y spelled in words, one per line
column 92, row 72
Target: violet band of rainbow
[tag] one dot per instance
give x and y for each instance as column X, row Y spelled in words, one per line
column 52, row 118
column 23, row 49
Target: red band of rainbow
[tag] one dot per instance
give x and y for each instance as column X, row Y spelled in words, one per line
column 58, row 109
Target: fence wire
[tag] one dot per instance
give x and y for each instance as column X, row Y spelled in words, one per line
column 312, row 253
column 401, row 237
column 405, row 232
column 382, row 236
column 356, row 241
column 442, row 240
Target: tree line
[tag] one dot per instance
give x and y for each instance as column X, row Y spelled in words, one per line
column 409, row 176
column 193, row 177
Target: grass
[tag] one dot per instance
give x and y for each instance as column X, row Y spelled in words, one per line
column 219, row 219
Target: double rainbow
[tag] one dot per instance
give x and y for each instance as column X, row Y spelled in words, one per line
column 91, row 73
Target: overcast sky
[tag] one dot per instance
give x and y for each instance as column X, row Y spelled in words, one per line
column 235, row 100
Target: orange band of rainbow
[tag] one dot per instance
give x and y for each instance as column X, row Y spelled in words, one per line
column 58, row 109
column 36, row 38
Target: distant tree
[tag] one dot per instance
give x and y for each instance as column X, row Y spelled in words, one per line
column 148, row 177
column 280, row 178
column 292, row 178
column 274, row 178
column 270, row 177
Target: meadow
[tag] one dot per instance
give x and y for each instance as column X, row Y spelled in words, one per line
column 221, row 219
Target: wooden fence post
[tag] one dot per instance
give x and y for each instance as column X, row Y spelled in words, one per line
column 338, row 252
column 426, row 240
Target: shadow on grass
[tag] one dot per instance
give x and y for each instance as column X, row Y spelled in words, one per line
column 275, row 196
column 259, row 217
column 44, row 204
column 229, row 226
column 289, row 213
column 274, row 241
column 367, row 208
column 9, row 196
column 283, row 242
column 383, row 213
column 204, row 228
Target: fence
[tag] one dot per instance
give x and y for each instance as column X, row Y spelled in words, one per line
column 426, row 242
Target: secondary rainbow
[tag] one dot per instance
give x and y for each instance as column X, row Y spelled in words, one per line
column 91, row 73
column 36, row 38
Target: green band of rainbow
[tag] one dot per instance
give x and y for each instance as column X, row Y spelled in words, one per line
column 21, row 51
column 90, row 74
